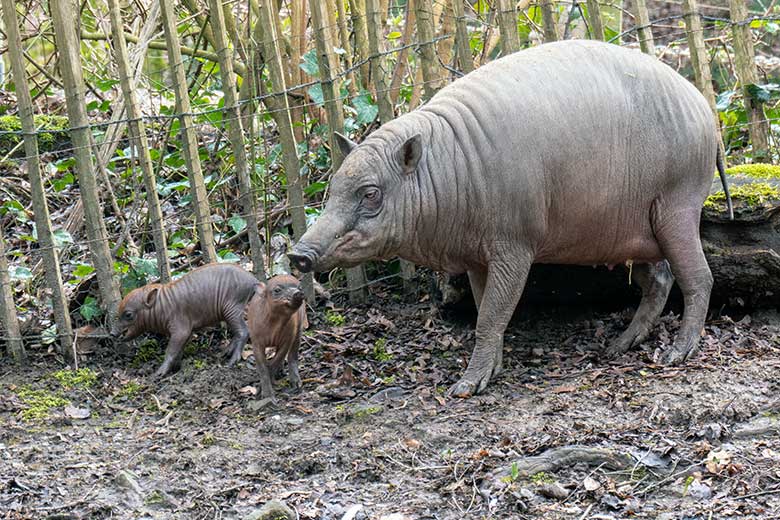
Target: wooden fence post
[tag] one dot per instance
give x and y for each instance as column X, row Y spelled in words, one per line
column 236, row 135
column 10, row 322
column 189, row 141
column 747, row 73
column 507, row 24
column 139, row 143
column 462, row 43
column 645, row 31
column 699, row 58
column 549, row 30
column 64, row 15
column 595, row 20
column 273, row 60
column 356, row 276
column 425, row 37
column 40, row 206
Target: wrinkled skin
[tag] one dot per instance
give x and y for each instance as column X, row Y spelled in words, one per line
column 276, row 317
column 202, row 298
column 574, row 152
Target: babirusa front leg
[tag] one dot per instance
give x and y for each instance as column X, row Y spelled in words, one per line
column 504, row 285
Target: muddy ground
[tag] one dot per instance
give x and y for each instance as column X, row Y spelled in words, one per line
column 373, row 433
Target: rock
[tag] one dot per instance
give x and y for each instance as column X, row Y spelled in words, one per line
column 387, row 395
column 259, row 404
column 352, row 512
column 611, row 501
column 272, row 510
column 128, row 480
column 77, row 413
column 590, row 484
column 395, row 516
column 554, row 491
column 699, row 490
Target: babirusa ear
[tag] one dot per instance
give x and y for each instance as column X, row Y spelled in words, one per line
column 346, row 145
column 151, row 297
column 409, row 154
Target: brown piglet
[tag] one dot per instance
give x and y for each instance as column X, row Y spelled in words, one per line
column 276, row 317
column 202, row 298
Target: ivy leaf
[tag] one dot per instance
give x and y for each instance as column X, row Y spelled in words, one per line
column 227, row 256
column 237, row 224
column 18, row 272
column 89, row 310
column 83, row 270
column 316, row 95
column 758, row 93
column 62, row 237
column 724, row 100
column 366, row 109
column 309, row 64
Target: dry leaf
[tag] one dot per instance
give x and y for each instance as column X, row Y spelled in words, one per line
column 591, row 484
column 563, row 389
column 412, row 443
column 248, row 390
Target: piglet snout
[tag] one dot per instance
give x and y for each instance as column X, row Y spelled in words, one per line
column 297, row 297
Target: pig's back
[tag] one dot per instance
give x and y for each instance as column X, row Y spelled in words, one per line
column 209, row 293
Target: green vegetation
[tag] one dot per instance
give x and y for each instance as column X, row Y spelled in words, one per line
column 754, row 194
column 39, row 403
column 756, row 171
column 514, row 474
column 380, row 353
column 46, row 141
column 130, row 389
column 81, row 378
column 148, row 351
column 334, row 318
column 361, row 413
column 199, row 364
column 542, row 478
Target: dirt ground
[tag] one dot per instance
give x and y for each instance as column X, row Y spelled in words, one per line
column 559, row 434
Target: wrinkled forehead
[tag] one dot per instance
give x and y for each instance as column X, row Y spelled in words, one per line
column 284, row 282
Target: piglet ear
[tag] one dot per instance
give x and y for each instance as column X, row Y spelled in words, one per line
column 409, row 154
column 151, row 297
column 345, row 144
column 260, row 288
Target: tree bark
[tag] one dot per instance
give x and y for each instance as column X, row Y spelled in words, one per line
column 549, row 28
column 13, row 339
column 507, row 23
column 645, row 31
column 462, row 41
column 189, row 141
column 402, row 63
column 63, row 14
column 595, row 20
column 273, row 58
column 236, row 136
column 699, row 58
column 341, row 12
column 747, row 73
column 425, row 36
column 40, row 205
column 138, row 141
column 356, row 279
column 357, row 9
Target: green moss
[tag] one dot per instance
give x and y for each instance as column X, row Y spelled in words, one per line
column 199, row 364
column 53, row 132
column 360, row 413
column 754, row 194
column 81, row 378
column 756, row 171
column 39, row 403
column 334, row 318
column 130, row 389
column 148, row 351
column 542, row 478
column 380, row 352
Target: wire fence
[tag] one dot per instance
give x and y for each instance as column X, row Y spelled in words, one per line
column 477, row 23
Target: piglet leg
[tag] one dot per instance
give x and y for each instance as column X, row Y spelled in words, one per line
column 266, row 389
column 174, row 352
column 292, row 364
column 506, row 276
column 240, row 335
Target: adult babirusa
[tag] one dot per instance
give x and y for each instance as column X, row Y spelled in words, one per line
column 574, row 152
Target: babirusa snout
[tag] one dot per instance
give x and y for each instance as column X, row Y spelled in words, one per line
column 303, row 257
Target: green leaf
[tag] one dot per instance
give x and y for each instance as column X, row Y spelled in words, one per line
column 64, row 182
column 146, row 267
column 315, row 187
column 18, row 272
column 90, row 310
column 65, row 164
column 724, row 100
column 237, row 224
column 315, row 92
column 226, row 255
column 62, row 237
column 366, row 109
column 758, row 93
column 83, row 270
column 309, row 64
column 106, row 84
column 394, row 35
column 15, row 207
column 49, row 335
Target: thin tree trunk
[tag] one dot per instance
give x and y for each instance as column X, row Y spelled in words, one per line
column 402, row 64
column 273, row 59
column 40, row 206
column 747, row 73
column 549, row 29
column 236, row 135
column 346, row 45
column 358, row 10
column 295, row 74
column 507, row 23
column 189, row 141
column 10, row 322
column 595, row 20
column 645, row 31
column 139, row 143
column 64, row 14
column 447, row 45
column 699, row 58
column 425, row 36
column 462, row 41
column 356, row 278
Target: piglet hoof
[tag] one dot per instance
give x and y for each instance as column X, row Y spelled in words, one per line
column 295, row 384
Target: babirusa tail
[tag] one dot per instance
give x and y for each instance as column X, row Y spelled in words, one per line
column 722, row 173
